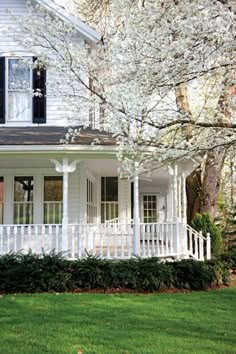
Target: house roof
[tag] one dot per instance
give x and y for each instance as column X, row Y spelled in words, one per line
column 62, row 13
column 48, row 135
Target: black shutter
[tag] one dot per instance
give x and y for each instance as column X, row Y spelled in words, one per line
column 2, row 90
column 39, row 102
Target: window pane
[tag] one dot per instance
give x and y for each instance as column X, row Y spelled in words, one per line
column 23, row 200
column 53, row 188
column 18, row 75
column 53, row 195
column 19, row 106
column 19, row 95
column 109, row 192
column 24, row 189
column 109, row 198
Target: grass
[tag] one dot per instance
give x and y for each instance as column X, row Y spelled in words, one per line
column 200, row 322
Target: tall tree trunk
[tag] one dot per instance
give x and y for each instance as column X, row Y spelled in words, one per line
column 193, row 189
column 202, row 185
column 211, row 181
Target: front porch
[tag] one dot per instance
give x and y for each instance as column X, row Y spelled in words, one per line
column 109, row 240
column 75, row 202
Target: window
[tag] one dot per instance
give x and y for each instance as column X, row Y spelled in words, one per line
column 109, row 198
column 53, row 196
column 19, row 90
column 17, row 83
column 91, row 202
column 149, row 208
column 23, row 200
column 1, row 199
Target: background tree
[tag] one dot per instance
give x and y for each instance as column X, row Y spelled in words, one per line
column 164, row 73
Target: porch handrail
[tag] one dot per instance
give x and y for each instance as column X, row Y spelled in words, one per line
column 119, row 221
column 198, row 234
column 199, row 246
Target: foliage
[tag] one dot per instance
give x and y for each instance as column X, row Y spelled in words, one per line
column 202, row 222
column 53, row 273
column 150, row 55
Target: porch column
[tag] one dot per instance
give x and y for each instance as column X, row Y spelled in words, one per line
column 184, row 198
column 136, row 217
column 180, row 198
column 175, row 192
column 65, row 167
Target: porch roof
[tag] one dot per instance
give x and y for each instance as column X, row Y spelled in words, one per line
column 49, row 135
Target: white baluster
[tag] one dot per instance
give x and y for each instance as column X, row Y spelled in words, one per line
column 15, row 236
column 8, row 238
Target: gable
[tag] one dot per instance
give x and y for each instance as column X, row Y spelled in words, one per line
column 18, row 8
column 84, row 29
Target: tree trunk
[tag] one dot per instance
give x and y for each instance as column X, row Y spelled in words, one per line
column 211, row 181
column 193, row 189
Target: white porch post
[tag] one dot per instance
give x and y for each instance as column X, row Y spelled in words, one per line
column 65, row 206
column 178, row 230
column 136, row 217
column 65, row 167
column 175, row 192
column 184, row 198
column 180, row 198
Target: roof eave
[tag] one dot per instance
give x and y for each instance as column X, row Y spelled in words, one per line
column 79, row 25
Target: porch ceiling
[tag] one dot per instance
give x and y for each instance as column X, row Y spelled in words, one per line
column 159, row 177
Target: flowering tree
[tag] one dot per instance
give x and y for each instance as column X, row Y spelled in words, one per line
column 162, row 75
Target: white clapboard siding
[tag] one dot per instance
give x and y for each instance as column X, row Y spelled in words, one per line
column 59, row 112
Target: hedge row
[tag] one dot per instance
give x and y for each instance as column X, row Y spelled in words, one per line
column 48, row 273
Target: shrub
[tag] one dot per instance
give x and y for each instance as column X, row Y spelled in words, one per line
column 191, row 274
column 36, row 273
column 203, row 222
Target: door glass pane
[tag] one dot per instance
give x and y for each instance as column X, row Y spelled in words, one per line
column 53, row 196
column 150, row 208
column 1, row 199
column 23, row 200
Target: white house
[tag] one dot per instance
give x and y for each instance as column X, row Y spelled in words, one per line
column 69, row 197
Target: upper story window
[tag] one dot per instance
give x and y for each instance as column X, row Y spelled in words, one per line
column 19, row 90
column 17, row 83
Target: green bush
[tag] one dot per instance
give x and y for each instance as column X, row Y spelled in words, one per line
column 46, row 273
column 191, row 274
column 203, row 222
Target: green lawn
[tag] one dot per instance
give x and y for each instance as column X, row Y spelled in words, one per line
column 200, row 322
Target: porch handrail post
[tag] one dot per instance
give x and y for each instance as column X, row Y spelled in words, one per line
column 136, row 217
column 208, row 246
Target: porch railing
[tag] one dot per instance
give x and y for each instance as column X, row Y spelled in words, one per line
column 198, row 246
column 106, row 240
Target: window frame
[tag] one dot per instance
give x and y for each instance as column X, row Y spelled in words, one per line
column 15, row 120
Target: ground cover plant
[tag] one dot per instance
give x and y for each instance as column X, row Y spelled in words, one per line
column 198, row 322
